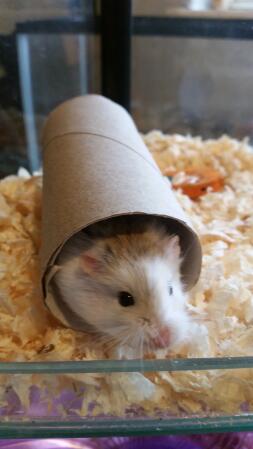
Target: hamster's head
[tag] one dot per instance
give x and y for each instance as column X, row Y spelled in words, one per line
column 130, row 291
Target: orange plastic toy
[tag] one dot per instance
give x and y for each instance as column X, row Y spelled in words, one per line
column 195, row 182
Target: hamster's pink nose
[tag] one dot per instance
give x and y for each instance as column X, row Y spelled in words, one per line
column 162, row 339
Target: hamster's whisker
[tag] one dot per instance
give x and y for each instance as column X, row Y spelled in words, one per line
column 149, row 347
column 113, row 341
column 108, row 340
column 121, row 339
column 136, row 340
column 102, row 337
column 188, row 249
column 157, row 335
column 199, row 319
column 119, row 327
column 133, row 339
column 112, row 345
column 124, row 340
column 142, row 346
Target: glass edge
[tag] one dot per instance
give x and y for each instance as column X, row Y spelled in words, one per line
column 94, row 428
column 114, row 366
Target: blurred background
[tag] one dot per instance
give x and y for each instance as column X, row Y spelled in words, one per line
column 190, row 67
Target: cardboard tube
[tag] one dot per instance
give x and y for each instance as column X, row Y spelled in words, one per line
column 96, row 166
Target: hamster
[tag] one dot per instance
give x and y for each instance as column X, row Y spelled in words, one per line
column 120, row 279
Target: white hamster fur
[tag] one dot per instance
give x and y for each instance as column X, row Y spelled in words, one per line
column 120, row 279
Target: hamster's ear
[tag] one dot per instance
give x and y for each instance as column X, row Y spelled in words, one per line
column 90, row 263
column 173, row 251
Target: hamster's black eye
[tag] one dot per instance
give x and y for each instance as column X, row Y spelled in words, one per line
column 170, row 290
column 125, row 299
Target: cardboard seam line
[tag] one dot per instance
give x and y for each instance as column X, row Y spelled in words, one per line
column 108, row 138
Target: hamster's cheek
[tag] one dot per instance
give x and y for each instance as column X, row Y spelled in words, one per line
column 179, row 296
column 180, row 329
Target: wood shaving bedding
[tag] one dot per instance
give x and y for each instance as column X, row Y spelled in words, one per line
column 222, row 301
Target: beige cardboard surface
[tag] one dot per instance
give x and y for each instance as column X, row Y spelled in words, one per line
column 96, row 166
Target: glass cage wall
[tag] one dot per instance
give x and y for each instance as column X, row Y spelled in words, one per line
column 46, row 57
column 198, row 55
column 186, row 69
